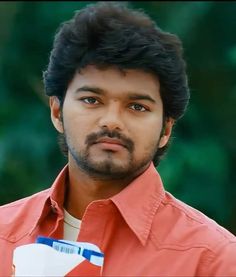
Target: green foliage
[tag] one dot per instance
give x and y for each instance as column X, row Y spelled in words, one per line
column 199, row 167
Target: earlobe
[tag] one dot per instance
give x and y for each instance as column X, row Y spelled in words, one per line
column 167, row 132
column 56, row 116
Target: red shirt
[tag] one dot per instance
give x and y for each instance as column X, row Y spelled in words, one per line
column 143, row 231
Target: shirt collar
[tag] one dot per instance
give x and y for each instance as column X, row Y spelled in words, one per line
column 54, row 198
column 139, row 201
column 58, row 190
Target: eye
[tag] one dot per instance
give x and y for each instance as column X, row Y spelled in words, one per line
column 90, row 100
column 138, row 107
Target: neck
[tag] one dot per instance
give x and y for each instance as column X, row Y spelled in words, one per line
column 82, row 189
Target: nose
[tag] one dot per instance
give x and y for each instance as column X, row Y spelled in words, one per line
column 111, row 118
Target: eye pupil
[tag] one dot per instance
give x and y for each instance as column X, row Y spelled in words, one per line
column 138, row 107
column 90, row 100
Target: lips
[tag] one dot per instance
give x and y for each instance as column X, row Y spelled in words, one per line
column 110, row 144
column 107, row 140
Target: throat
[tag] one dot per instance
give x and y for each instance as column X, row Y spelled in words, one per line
column 81, row 191
column 82, row 188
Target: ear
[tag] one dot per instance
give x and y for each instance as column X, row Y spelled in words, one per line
column 167, row 132
column 56, row 115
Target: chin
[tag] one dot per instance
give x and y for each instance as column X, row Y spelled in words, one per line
column 107, row 169
column 111, row 167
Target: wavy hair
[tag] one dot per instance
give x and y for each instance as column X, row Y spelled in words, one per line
column 110, row 34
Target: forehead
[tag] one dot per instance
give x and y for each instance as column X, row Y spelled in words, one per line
column 114, row 80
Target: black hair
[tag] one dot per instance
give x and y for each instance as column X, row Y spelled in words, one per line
column 111, row 34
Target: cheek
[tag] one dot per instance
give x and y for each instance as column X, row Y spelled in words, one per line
column 75, row 128
column 74, row 120
column 147, row 138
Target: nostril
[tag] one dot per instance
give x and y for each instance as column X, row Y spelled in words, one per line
column 111, row 124
column 111, row 128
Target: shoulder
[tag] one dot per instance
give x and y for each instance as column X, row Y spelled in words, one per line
column 180, row 226
column 24, row 210
column 23, row 203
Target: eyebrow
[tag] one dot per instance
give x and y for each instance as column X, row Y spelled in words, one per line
column 91, row 89
column 132, row 96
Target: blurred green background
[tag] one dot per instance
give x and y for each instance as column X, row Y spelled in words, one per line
column 200, row 165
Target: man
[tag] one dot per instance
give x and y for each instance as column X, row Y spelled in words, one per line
column 117, row 84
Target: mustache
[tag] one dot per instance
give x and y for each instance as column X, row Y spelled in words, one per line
column 93, row 137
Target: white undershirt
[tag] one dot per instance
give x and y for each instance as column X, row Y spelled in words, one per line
column 71, row 227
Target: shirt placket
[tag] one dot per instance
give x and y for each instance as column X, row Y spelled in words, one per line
column 58, row 226
column 94, row 221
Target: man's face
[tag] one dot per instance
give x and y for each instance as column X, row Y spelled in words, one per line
column 112, row 121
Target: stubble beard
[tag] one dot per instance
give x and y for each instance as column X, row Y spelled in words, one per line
column 108, row 169
column 105, row 169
